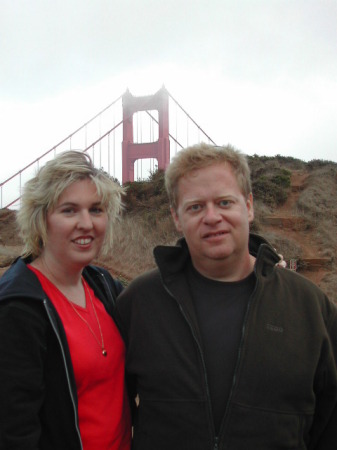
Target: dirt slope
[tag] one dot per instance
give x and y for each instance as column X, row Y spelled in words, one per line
column 289, row 225
column 284, row 225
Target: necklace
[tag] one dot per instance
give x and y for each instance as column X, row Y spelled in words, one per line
column 101, row 344
column 87, row 294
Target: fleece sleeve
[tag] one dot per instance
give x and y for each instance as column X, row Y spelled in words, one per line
column 122, row 316
column 324, row 429
column 21, row 375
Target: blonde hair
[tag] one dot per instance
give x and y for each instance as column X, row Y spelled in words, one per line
column 41, row 194
column 204, row 155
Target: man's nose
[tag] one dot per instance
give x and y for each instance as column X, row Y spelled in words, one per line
column 212, row 214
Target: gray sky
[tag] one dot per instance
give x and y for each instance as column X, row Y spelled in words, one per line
column 258, row 74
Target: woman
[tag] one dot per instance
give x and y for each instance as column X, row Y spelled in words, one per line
column 62, row 358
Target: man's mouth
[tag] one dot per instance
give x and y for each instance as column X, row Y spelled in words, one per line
column 215, row 234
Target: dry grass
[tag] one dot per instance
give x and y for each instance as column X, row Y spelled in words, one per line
column 147, row 221
column 318, row 204
column 317, row 207
column 318, row 199
column 288, row 248
column 135, row 238
column 329, row 286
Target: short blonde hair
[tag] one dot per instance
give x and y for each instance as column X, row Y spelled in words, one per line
column 42, row 192
column 204, row 155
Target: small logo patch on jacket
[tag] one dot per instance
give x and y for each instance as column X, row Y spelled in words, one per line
column 274, row 328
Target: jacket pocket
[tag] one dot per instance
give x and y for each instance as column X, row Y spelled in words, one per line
column 267, row 429
column 172, row 425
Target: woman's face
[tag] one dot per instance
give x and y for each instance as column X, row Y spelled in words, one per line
column 76, row 226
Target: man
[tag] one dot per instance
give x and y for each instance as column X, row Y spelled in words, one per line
column 226, row 350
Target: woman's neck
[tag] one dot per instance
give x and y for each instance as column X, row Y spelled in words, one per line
column 69, row 282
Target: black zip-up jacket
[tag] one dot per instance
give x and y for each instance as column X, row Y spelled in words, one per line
column 284, row 390
column 38, row 399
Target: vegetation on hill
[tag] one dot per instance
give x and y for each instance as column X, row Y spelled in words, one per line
column 147, row 222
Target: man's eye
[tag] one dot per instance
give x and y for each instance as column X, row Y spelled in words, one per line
column 224, row 203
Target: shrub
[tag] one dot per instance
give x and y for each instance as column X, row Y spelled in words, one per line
column 272, row 189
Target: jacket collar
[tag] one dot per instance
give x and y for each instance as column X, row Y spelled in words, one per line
column 28, row 284
column 19, row 281
column 266, row 256
column 173, row 259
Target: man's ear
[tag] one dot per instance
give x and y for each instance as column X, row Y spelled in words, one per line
column 250, row 207
column 176, row 220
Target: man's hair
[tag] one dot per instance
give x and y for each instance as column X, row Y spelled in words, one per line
column 204, row 155
column 42, row 193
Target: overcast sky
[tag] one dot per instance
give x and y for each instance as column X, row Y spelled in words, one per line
column 258, row 74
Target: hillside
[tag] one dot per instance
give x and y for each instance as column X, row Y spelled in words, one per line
column 295, row 210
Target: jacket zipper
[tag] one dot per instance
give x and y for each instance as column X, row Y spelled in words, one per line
column 108, row 289
column 66, row 370
column 216, row 439
column 243, row 332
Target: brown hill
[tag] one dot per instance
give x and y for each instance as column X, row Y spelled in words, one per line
column 295, row 210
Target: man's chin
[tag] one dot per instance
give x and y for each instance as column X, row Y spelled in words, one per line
column 219, row 255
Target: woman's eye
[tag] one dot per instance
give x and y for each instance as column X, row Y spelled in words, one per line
column 97, row 210
column 68, row 210
column 195, row 207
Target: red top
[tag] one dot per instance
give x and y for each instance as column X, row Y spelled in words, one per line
column 103, row 408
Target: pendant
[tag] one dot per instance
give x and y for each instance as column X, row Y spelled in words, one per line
column 104, row 352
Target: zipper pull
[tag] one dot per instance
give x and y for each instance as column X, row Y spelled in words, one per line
column 216, row 442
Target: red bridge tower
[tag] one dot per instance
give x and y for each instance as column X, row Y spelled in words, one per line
column 132, row 151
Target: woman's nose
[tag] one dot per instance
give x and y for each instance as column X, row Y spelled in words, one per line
column 85, row 220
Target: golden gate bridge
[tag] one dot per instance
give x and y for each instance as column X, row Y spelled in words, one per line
column 129, row 139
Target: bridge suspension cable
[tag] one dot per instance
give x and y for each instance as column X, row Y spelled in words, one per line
column 192, row 120
column 100, row 135
column 15, row 182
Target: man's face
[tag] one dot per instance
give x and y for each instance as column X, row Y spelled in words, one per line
column 214, row 217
